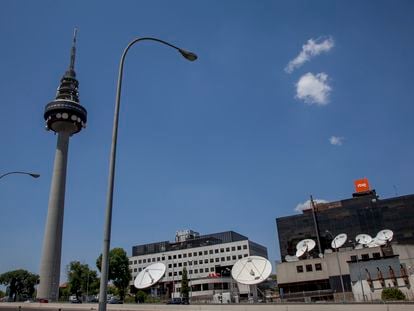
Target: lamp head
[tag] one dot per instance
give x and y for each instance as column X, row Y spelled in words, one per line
column 34, row 175
column 188, row 55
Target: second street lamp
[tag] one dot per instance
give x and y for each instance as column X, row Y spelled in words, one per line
column 108, row 214
column 34, row 175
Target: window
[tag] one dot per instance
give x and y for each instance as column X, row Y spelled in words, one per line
column 240, row 256
column 216, row 251
column 234, row 257
column 205, row 252
column 189, row 254
column 211, row 251
column 139, row 261
column 175, row 273
column 169, row 265
column 180, row 264
column 158, row 258
column 135, row 269
column 179, row 256
column 233, row 248
column 211, row 259
column 190, row 263
column 184, row 255
column 227, row 249
column 144, row 261
column 153, row 259
column 180, row 273
column 169, row 273
column 212, row 269
column 175, row 265
column 376, row 255
column 205, row 260
column 195, row 262
column 185, row 263
column 309, row 268
column 200, row 262
column 195, row 270
column 169, row 257
column 239, row 248
column 217, row 259
column 163, row 258
column 139, row 269
column 195, row 253
column 365, row 257
column 318, row 267
column 244, row 246
column 245, row 255
column 299, row 269
column 201, row 270
column 190, row 271
column 223, row 259
column 175, row 257
column 221, row 250
column 200, row 253
column 228, row 257
column 354, row 258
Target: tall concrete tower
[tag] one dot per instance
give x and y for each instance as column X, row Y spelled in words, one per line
column 65, row 116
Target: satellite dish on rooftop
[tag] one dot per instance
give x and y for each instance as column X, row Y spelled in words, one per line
column 339, row 240
column 301, row 251
column 309, row 243
column 150, row 275
column 251, row 270
column 289, row 258
column 385, row 235
column 363, row 238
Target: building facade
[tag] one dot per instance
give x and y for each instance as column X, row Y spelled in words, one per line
column 350, row 273
column 208, row 260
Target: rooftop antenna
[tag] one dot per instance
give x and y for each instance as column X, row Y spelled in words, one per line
column 395, row 189
column 71, row 71
column 315, row 223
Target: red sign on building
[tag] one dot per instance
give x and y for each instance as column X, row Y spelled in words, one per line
column 361, row 185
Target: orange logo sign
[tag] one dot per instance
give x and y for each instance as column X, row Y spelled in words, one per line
column 361, row 185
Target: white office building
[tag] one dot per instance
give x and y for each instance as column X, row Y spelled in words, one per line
column 208, row 260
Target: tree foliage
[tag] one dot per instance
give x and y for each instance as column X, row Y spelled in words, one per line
column 184, row 284
column 21, row 283
column 392, row 293
column 118, row 269
column 81, row 279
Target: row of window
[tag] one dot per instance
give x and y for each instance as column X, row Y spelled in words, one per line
column 191, row 254
column 195, row 262
column 365, row 256
column 309, row 268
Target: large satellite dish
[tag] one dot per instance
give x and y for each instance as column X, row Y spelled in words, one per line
column 251, row 270
column 339, row 240
column 150, row 275
column 363, row 238
column 309, row 243
column 385, row 235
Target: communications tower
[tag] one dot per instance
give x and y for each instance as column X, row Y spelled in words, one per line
column 64, row 116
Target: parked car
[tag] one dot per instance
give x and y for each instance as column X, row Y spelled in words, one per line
column 74, row 299
column 178, row 301
column 115, row 300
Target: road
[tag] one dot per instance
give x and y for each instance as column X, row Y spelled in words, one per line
column 231, row 307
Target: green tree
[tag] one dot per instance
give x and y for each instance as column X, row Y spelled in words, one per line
column 118, row 270
column 184, row 284
column 392, row 293
column 81, row 279
column 21, row 283
column 2, row 294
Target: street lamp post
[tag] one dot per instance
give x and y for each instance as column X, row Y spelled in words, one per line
column 108, row 215
column 339, row 266
column 34, row 175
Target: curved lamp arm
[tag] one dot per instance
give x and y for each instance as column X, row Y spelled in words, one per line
column 34, row 175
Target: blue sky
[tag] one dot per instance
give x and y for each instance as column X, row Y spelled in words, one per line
column 229, row 142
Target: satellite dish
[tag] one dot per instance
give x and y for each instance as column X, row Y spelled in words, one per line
column 301, row 251
column 251, row 270
column 363, row 238
column 289, row 258
column 385, row 235
column 339, row 240
column 150, row 275
column 373, row 243
column 309, row 243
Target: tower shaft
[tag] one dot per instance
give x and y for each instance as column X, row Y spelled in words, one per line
column 52, row 243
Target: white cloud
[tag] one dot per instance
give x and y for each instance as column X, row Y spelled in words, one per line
column 311, row 49
column 307, row 205
column 336, row 140
column 313, row 89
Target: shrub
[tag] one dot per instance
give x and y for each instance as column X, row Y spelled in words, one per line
column 392, row 293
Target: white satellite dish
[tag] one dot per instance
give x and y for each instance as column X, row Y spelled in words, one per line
column 150, row 275
column 251, row 270
column 289, row 258
column 363, row 238
column 309, row 243
column 301, row 251
column 339, row 240
column 373, row 243
column 385, row 235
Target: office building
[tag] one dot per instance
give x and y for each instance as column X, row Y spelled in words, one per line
column 208, row 260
